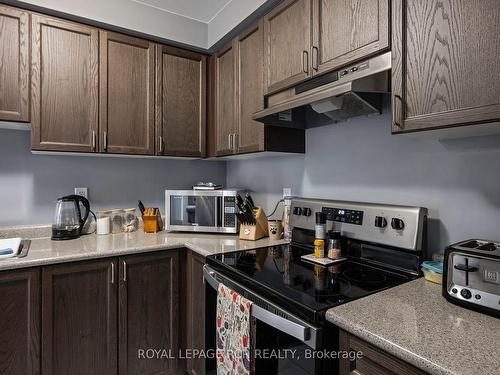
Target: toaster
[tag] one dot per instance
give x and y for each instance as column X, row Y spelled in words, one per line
column 471, row 275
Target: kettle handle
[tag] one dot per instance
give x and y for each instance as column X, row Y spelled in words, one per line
column 85, row 202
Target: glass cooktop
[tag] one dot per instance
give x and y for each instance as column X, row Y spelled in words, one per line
column 301, row 287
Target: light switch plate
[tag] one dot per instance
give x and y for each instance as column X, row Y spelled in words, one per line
column 83, row 191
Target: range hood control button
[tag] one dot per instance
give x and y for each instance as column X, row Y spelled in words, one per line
column 297, row 210
column 306, row 211
column 380, row 222
column 397, row 224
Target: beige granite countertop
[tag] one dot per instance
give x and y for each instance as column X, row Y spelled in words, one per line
column 415, row 323
column 44, row 251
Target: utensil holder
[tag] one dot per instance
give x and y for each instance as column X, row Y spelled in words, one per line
column 253, row 232
column 152, row 223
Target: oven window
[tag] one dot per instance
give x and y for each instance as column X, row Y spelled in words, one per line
column 193, row 210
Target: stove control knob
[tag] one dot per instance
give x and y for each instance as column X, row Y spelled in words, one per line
column 466, row 293
column 397, row 224
column 380, row 222
column 297, row 210
column 306, row 211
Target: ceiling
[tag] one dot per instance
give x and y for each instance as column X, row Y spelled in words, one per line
column 199, row 10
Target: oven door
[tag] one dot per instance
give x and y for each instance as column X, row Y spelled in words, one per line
column 285, row 344
column 194, row 211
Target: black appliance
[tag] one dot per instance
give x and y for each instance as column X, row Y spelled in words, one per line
column 471, row 275
column 68, row 219
column 384, row 246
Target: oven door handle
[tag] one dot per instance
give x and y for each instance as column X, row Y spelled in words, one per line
column 296, row 330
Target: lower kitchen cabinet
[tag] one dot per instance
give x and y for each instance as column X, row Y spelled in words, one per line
column 20, row 322
column 373, row 360
column 79, row 318
column 148, row 312
column 195, row 311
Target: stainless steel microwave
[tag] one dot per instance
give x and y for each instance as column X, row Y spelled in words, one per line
column 201, row 210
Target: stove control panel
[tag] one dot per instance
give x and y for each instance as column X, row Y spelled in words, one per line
column 343, row 215
column 398, row 226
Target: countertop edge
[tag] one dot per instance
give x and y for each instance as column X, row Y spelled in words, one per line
column 386, row 345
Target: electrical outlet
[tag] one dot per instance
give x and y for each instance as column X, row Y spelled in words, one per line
column 83, row 191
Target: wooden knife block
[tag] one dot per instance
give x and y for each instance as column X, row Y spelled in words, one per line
column 254, row 232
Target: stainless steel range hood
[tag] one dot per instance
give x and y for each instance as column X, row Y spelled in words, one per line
column 337, row 96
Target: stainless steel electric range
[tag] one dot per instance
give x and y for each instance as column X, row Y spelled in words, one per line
column 384, row 246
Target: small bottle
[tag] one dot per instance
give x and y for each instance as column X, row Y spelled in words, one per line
column 334, row 245
column 320, row 227
column 103, row 222
column 319, row 248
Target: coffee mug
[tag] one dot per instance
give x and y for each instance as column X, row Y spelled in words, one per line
column 275, row 229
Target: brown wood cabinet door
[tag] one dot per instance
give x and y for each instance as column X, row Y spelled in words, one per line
column 14, row 64
column 64, row 85
column 195, row 311
column 79, row 318
column 225, row 101
column 373, row 361
column 348, row 30
column 250, row 88
column 20, row 322
column 288, row 39
column 148, row 312
column 445, row 63
column 180, row 102
column 126, row 121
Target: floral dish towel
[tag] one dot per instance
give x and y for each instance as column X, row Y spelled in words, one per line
column 235, row 333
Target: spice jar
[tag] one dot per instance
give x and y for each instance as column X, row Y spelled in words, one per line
column 320, row 227
column 319, row 248
column 103, row 225
column 117, row 220
column 334, row 245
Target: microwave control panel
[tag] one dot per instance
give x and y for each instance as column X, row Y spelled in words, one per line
column 343, row 215
column 229, row 212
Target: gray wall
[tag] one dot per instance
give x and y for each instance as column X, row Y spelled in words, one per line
column 457, row 180
column 30, row 184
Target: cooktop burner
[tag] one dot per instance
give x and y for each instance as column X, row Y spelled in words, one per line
column 281, row 276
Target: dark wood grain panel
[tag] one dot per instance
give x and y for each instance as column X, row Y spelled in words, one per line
column 64, row 85
column 14, row 64
column 373, row 360
column 20, row 322
column 446, row 57
column 149, row 312
column 348, row 30
column 225, row 103
column 126, row 119
column 195, row 311
column 250, row 88
column 288, row 39
column 180, row 102
column 79, row 318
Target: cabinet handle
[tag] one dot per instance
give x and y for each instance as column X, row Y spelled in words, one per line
column 160, row 144
column 397, row 121
column 235, row 142
column 305, row 62
column 229, row 141
column 124, row 271
column 112, row 273
column 315, row 56
column 93, row 140
column 105, row 141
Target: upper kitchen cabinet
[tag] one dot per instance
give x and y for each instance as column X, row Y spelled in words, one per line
column 287, row 48
column 14, row 64
column 249, row 46
column 348, row 30
column 445, row 63
column 180, row 102
column 224, row 81
column 64, row 85
column 126, row 116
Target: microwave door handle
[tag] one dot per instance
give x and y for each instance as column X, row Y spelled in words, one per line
column 216, row 212
column 293, row 329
